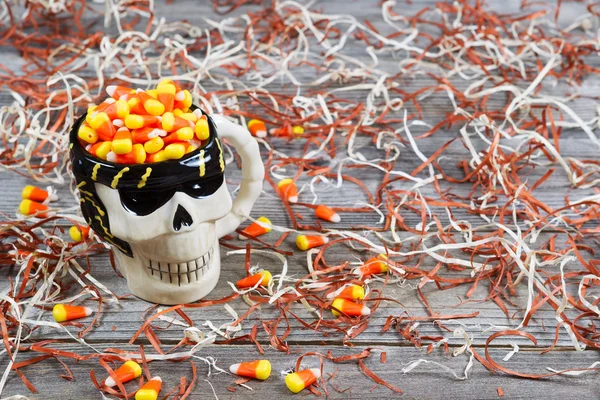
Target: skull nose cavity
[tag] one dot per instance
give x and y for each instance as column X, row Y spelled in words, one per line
column 182, row 218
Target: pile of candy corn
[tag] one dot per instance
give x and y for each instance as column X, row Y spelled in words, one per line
column 143, row 126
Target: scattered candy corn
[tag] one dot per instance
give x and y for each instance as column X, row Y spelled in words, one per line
column 349, row 292
column 150, row 390
column 259, row 369
column 79, row 233
column 300, row 380
column 257, row 128
column 254, row 229
column 29, row 207
column 36, row 194
column 373, row 266
column 349, row 308
column 262, row 276
column 65, row 312
column 308, row 242
column 288, row 189
column 125, row 373
column 325, row 213
column 161, row 116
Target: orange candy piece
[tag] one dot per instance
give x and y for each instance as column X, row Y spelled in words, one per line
column 150, row 390
column 171, row 123
column 116, row 92
column 262, row 276
column 118, row 109
column 304, row 242
column 100, row 149
column 255, row 229
column 346, row 307
column 65, row 312
column 103, row 126
column 125, row 373
column 325, row 213
column 298, row 381
column 257, row 128
column 288, row 189
column 122, row 143
column 134, row 121
column 373, row 266
column 142, row 135
column 30, row 207
column 259, row 369
column 36, row 194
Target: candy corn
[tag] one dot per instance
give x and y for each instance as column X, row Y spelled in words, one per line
column 151, row 105
column 175, row 151
column 136, row 156
column 79, row 233
column 262, row 276
column 156, row 157
column 166, row 95
column 288, row 189
column 259, row 369
column 183, row 100
column 143, row 135
column 327, row 214
column 202, row 130
column 100, row 149
column 122, row 143
column 65, row 312
column 118, row 109
column 29, row 207
column 125, row 373
column 171, row 123
column 103, row 126
column 153, row 145
column 150, row 390
column 298, row 381
column 257, row 128
column 136, row 106
column 133, row 121
column 373, row 266
column 116, row 92
column 305, row 242
column 255, row 229
column 182, row 135
column 349, row 308
column 349, row 292
column 87, row 134
column 36, row 194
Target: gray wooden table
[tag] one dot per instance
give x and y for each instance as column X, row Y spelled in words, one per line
column 119, row 322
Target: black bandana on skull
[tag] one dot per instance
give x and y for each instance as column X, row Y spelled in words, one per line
column 143, row 188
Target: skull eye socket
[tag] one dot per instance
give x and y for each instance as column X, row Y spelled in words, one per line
column 144, row 202
column 203, row 188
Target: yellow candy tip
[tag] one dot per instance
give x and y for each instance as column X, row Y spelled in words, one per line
column 59, row 313
column 263, row 370
column 302, row 242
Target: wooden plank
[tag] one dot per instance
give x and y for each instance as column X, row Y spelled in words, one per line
column 427, row 380
column 120, row 322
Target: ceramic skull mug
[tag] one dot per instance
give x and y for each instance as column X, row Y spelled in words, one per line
column 164, row 220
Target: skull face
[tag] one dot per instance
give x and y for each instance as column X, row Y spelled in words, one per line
column 175, row 246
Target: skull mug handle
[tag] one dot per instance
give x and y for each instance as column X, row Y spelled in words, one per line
column 253, row 173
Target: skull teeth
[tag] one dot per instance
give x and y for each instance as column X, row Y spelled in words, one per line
column 180, row 273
